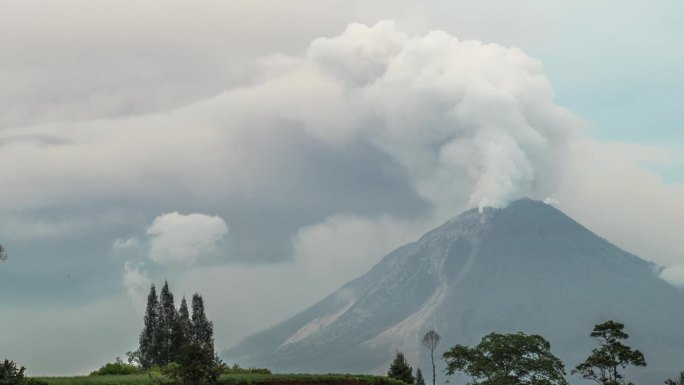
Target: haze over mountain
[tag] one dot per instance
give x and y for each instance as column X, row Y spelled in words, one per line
column 527, row 267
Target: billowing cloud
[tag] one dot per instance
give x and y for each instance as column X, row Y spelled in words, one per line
column 178, row 238
column 467, row 123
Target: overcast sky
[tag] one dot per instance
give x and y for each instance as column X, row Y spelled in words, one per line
column 265, row 152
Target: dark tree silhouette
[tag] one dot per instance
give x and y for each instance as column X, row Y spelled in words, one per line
column 202, row 328
column 149, row 345
column 604, row 362
column 420, row 380
column 166, row 326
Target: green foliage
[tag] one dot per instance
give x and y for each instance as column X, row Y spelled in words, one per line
column 507, row 359
column 134, row 379
column 33, row 381
column 197, row 366
column 182, row 330
column 166, row 326
column 117, row 367
column 236, row 369
column 133, row 358
column 230, row 379
column 680, row 381
column 602, row 365
column 10, row 374
column 3, row 253
column 420, row 380
column 306, row 379
column 166, row 332
column 401, row 370
column 202, row 328
column 149, row 348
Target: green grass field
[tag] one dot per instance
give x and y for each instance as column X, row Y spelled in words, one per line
column 230, row 379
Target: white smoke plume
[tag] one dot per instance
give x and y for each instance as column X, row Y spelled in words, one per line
column 453, row 113
column 468, row 123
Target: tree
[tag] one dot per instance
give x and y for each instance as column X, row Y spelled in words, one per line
column 676, row 382
column 400, row 369
column 10, row 374
column 3, row 253
column 202, row 328
column 182, row 329
column 149, row 344
column 420, row 380
column 197, row 366
column 166, row 326
column 507, row 359
column 602, row 365
column 431, row 340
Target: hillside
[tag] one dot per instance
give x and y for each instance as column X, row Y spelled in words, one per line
column 527, row 267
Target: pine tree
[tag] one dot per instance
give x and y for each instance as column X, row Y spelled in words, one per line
column 166, row 326
column 400, row 369
column 149, row 346
column 182, row 330
column 202, row 328
column 420, row 380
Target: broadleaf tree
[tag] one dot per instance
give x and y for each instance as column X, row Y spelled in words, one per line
column 606, row 361
column 507, row 359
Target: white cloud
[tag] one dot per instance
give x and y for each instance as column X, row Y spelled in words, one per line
column 178, row 238
column 674, row 275
column 137, row 282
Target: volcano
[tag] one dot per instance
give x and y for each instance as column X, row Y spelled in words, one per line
column 527, row 267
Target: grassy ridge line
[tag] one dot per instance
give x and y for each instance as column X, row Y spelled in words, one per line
column 230, row 379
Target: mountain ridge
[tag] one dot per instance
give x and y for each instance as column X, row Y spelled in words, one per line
column 528, row 267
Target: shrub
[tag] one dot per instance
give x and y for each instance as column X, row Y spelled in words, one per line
column 10, row 374
column 117, row 367
column 197, row 366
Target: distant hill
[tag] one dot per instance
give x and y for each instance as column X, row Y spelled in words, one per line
column 527, row 267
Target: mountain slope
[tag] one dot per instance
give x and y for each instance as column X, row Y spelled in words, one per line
column 525, row 268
